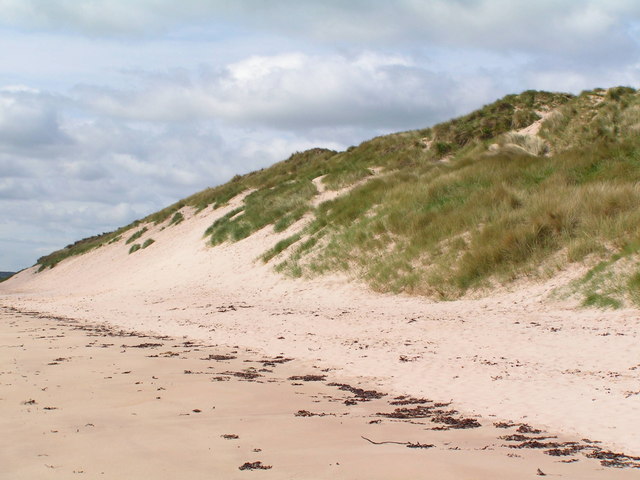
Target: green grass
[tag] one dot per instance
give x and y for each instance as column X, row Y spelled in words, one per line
column 80, row 247
column 601, row 301
column 509, row 113
column 6, row 276
column 177, row 218
column 136, row 235
column 136, row 246
column 612, row 282
column 147, row 242
column 633, row 286
column 280, row 247
column 115, row 239
column 444, row 229
column 280, row 205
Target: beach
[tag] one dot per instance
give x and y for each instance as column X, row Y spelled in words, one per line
column 513, row 358
column 97, row 402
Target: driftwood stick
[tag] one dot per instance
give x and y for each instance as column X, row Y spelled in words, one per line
column 382, row 443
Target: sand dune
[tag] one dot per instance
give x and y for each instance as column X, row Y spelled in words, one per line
column 515, row 356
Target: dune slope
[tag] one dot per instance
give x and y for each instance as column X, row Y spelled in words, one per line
column 514, row 356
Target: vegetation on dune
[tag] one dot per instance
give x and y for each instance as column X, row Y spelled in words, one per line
column 177, row 218
column 303, row 163
column 280, row 205
column 6, row 276
column 147, row 242
column 136, row 235
column 136, row 246
column 464, row 205
column 443, row 229
column 512, row 112
column 81, row 246
column 440, row 229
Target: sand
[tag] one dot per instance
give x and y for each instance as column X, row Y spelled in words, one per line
column 516, row 356
column 88, row 400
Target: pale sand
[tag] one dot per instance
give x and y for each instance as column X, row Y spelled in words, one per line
column 514, row 356
column 80, row 400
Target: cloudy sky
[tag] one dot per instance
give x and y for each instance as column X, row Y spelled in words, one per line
column 113, row 109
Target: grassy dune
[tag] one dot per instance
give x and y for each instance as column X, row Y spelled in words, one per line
column 461, row 206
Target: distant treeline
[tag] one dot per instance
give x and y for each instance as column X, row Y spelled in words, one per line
column 4, row 275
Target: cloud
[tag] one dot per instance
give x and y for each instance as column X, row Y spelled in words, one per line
column 291, row 91
column 28, row 120
column 573, row 27
column 107, row 172
column 30, row 228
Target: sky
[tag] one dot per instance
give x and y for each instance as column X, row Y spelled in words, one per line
column 113, row 109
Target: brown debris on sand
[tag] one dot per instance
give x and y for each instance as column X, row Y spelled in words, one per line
column 420, row 411
column 518, row 437
column 457, row 423
column 406, row 444
column 617, row 460
column 254, row 466
column 248, row 375
column 143, row 345
column 307, row 413
column 504, row 424
column 272, row 362
column 406, row 400
column 403, row 419
column 420, row 445
column 524, row 428
column 537, row 444
column 434, row 412
column 360, row 395
column 566, row 449
column 219, row 357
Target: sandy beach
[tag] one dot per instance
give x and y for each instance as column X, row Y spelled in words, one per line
column 90, row 400
column 513, row 358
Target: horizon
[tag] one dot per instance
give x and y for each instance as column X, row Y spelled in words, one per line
column 110, row 112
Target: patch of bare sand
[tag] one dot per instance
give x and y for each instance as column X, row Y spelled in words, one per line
column 534, row 128
column 514, row 356
column 325, row 195
column 86, row 399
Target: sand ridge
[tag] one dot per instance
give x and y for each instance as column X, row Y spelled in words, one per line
column 514, row 356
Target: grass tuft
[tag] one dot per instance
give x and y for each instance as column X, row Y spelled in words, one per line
column 601, row 301
column 280, row 247
column 136, row 236
column 176, row 219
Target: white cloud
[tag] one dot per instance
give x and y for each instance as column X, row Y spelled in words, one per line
column 552, row 25
column 289, row 91
column 27, row 120
column 108, row 173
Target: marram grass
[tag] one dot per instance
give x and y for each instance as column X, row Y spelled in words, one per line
column 457, row 207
